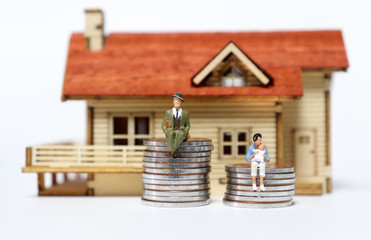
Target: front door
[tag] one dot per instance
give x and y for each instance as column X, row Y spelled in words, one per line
column 305, row 154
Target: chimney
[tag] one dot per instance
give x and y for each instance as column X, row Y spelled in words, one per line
column 94, row 34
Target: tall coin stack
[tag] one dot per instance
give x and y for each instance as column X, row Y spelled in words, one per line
column 181, row 181
column 279, row 185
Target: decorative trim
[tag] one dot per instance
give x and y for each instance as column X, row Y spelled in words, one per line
column 231, row 47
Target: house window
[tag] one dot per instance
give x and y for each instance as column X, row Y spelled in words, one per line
column 141, row 126
column 129, row 129
column 233, row 142
column 233, row 77
column 120, row 133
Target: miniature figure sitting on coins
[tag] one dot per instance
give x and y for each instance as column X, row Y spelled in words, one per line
column 254, row 151
column 176, row 125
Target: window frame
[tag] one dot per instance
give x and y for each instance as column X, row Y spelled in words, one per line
column 131, row 136
column 234, row 143
column 233, row 77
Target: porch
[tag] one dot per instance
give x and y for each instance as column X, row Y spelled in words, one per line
column 59, row 162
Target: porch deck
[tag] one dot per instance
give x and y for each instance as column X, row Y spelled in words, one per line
column 84, row 159
column 63, row 159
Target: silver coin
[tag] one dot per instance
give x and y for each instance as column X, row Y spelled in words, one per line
column 175, row 194
column 267, row 188
column 175, row 176
column 177, row 170
column 176, row 160
column 175, row 204
column 177, row 154
column 258, row 199
column 176, row 187
column 237, row 168
column 175, row 199
column 175, row 165
column 189, row 142
column 250, row 205
column 182, row 149
column 260, row 193
column 266, row 182
column 267, row 176
column 175, row 182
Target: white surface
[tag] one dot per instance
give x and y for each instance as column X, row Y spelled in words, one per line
column 33, row 47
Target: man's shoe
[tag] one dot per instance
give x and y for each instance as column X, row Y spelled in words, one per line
column 254, row 187
column 262, row 187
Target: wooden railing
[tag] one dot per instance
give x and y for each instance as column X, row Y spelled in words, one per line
column 85, row 156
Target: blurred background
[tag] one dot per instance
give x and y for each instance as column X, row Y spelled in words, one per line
column 33, row 49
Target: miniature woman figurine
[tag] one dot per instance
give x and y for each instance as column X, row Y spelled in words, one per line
column 257, row 155
column 176, row 124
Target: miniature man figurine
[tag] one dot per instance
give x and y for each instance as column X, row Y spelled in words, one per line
column 255, row 151
column 176, row 124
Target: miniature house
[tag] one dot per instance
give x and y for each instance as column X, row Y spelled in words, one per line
column 234, row 85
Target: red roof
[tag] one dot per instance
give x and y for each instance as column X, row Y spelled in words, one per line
column 161, row 64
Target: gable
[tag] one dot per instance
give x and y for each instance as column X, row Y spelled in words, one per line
column 231, row 68
column 230, row 53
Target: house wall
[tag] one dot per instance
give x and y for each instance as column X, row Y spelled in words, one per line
column 207, row 118
column 309, row 112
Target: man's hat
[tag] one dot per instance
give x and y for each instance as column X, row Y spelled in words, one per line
column 178, row 95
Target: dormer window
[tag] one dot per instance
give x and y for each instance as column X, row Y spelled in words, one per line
column 233, row 77
column 231, row 68
column 231, row 72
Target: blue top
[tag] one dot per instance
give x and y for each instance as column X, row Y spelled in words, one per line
column 249, row 153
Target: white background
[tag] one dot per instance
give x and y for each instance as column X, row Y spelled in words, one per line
column 34, row 38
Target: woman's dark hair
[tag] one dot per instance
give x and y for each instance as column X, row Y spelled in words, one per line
column 256, row 135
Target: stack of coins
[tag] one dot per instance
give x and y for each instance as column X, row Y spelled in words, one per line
column 179, row 181
column 279, row 185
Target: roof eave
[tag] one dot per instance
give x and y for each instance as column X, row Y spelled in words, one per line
column 245, row 98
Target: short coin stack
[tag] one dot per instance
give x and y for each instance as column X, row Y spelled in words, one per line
column 279, row 185
column 181, row 181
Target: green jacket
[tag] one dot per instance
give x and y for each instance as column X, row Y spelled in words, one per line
column 184, row 121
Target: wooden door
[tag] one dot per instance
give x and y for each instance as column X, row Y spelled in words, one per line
column 305, row 154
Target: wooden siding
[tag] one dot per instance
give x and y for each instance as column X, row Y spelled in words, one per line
column 308, row 113
column 207, row 119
